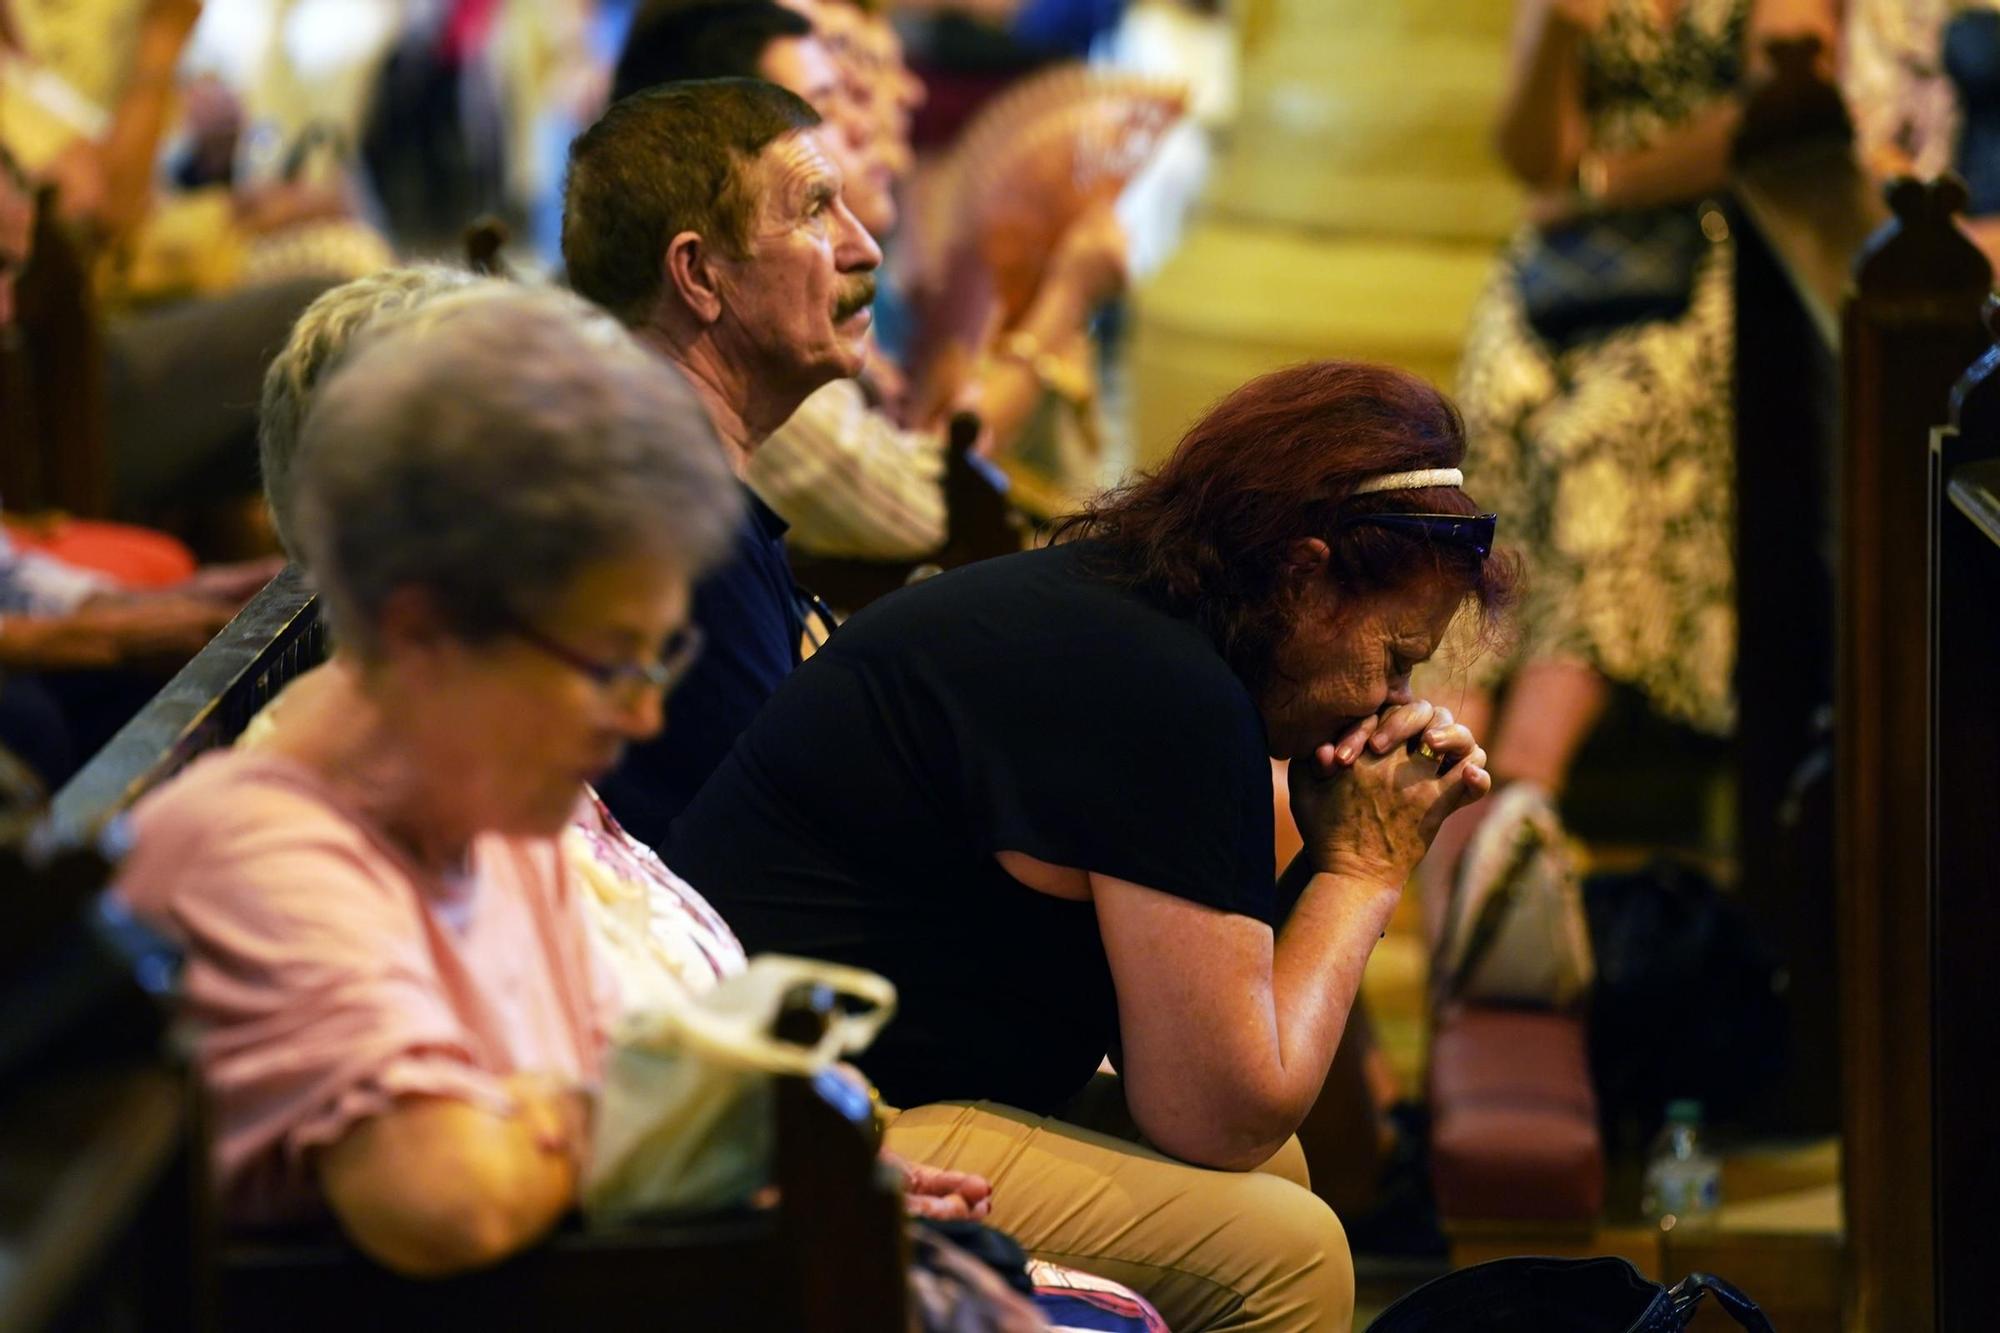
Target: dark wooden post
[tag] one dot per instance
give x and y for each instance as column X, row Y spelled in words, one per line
column 1804, row 209
column 847, row 1247
column 1910, row 328
column 1965, row 838
column 52, row 413
column 485, row 239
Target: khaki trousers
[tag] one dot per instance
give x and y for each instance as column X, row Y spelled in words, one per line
column 1217, row 1250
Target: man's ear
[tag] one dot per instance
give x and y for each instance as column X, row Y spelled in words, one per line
column 690, row 273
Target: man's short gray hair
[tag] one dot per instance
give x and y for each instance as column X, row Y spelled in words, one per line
column 491, row 445
column 318, row 342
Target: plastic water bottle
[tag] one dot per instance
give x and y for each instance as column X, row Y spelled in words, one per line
column 1683, row 1183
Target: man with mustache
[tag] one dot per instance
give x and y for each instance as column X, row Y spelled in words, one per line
column 854, row 472
column 708, row 217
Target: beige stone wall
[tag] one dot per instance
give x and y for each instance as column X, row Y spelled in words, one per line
column 1354, row 212
column 1372, row 116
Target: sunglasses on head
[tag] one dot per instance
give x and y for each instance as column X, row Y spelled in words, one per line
column 1473, row 533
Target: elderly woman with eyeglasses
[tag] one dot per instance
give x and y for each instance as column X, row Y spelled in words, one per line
column 661, row 939
column 1036, row 794
column 387, row 959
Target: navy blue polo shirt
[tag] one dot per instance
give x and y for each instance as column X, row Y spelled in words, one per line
column 751, row 617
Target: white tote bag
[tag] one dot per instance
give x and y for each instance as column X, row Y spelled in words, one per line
column 684, row 1122
column 1516, row 932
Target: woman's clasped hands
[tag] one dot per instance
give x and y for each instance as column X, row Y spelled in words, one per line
column 1369, row 802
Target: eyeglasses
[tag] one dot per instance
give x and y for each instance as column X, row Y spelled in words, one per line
column 624, row 679
column 1474, row 533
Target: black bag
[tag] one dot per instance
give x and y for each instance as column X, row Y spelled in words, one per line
column 1689, row 1001
column 1532, row 1295
column 1611, row 270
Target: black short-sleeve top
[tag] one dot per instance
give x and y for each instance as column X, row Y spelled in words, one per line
column 1021, row 704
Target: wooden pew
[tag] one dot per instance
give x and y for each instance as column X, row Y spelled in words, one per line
column 1843, row 363
column 1853, row 321
column 830, row 1255
column 206, row 705
column 1963, row 763
column 1834, row 495
column 95, row 1152
column 1915, row 314
column 1804, row 210
column 94, row 1220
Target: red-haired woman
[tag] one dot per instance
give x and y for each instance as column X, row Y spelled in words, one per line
column 1036, row 794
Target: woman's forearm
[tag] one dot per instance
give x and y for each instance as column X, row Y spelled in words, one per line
column 1230, row 1041
column 1316, row 973
column 1541, row 132
column 132, row 145
column 1226, row 1087
column 436, row 1187
column 1692, row 161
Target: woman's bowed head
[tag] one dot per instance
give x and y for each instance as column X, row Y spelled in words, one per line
column 1315, row 525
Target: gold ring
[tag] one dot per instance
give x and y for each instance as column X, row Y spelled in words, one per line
column 1424, row 751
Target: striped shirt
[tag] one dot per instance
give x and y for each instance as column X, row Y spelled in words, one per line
column 850, row 481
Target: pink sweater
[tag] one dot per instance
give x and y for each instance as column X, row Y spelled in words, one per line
column 329, row 975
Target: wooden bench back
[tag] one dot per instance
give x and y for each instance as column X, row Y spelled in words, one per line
column 830, row 1257
column 1963, row 761
column 273, row 640
column 1910, row 328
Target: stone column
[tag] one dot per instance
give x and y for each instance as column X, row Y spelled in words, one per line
column 1354, row 209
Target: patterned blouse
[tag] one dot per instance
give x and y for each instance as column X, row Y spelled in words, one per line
column 654, row 932
column 1641, row 79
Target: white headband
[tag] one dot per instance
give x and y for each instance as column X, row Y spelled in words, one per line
column 1411, row 481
